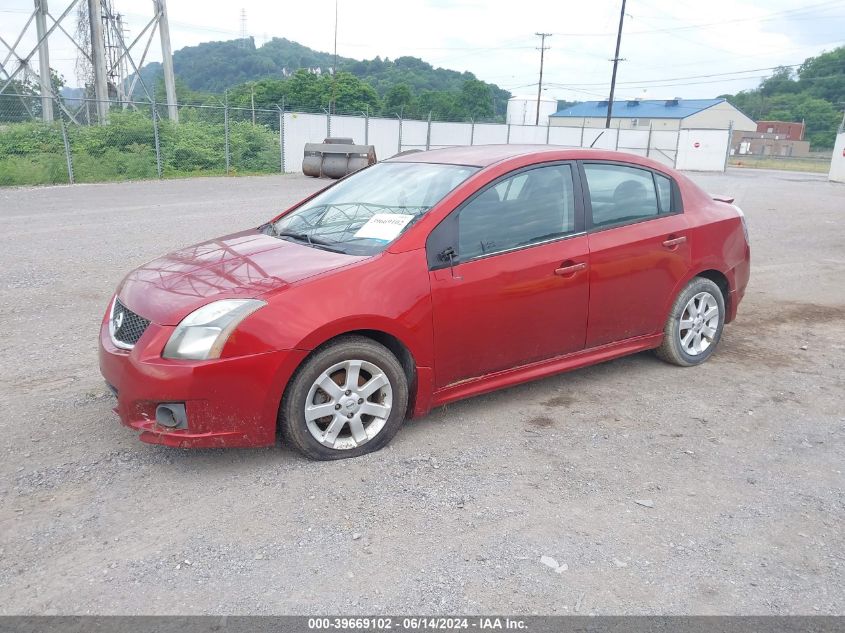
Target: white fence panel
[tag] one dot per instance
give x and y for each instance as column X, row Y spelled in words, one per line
column 384, row 134
column 446, row 134
column 414, row 134
column 634, row 142
column 567, row 136
column 698, row 150
column 299, row 130
column 528, row 134
column 702, row 150
column 600, row 138
column 350, row 127
column 490, row 134
column 664, row 145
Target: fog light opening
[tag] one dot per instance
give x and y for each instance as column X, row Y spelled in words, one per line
column 172, row 415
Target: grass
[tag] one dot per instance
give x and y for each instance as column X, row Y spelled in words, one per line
column 815, row 165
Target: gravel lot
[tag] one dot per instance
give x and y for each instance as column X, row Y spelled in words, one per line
column 740, row 461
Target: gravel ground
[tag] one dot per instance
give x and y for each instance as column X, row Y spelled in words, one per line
column 655, row 489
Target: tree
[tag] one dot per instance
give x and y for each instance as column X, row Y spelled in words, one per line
column 476, row 100
column 349, row 93
column 815, row 95
column 398, row 99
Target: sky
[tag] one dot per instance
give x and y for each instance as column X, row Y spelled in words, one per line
column 684, row 48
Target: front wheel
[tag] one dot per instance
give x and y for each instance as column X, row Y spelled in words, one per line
column 695, row 324
column 347, row 399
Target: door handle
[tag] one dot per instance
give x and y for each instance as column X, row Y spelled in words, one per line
column 672, row 242
column 569, row 268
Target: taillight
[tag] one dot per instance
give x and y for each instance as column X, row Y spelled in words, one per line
column 744, row 223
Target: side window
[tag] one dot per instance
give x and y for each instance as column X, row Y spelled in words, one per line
column 620, row 194
column 529, row 207
column 664, row 193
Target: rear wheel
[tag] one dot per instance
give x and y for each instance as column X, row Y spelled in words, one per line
column 347, row 399
column 695, row 324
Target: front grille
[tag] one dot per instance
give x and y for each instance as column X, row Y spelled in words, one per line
column 131, row 327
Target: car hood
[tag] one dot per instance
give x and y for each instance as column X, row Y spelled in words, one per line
column 246, row 264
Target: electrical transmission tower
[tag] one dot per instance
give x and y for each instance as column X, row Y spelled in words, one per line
column 105, row 55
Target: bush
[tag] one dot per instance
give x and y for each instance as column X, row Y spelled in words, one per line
column 33, row 153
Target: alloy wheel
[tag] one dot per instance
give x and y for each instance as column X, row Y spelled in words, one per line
column 348, row 404
column 699, row 323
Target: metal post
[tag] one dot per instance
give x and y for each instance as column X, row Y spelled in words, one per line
column 730, row 142
column 471, row 131
column 226, row 131
column 367, row 126
column 282, row 136
column 548, row 129
column 167, row 61
column 583, row 125
column 428, row 133
column 677, row 147
column 618, row 131
column 328, row 121
column 508, row 140
column 399, row 147
column 156, row 138
column 68, row 157
column 44, row 61
column 98, row 59
column 648, row 142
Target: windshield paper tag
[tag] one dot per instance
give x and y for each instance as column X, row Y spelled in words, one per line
column 384, row 226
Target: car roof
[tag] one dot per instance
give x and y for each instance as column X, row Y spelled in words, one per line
column 484, row 155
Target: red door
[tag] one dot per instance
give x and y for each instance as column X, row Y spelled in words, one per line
column 517, row 289
column 639, row 251
column 509, row 309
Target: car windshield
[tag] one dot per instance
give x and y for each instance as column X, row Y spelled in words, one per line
column 363, row 213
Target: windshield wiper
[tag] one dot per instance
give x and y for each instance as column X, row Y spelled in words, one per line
column 312, row 241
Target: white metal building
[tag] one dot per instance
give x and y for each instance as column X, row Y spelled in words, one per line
column 523, row 110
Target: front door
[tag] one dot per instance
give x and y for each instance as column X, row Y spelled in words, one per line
column 509, row 283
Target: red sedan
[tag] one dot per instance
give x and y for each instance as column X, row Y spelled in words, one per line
column 421, row 280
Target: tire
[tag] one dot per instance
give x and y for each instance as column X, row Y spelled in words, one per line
column 692, row 340
column 359, row 420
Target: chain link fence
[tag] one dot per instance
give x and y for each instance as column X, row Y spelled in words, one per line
column 139, row 141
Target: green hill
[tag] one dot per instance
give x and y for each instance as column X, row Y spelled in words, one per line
column 215, row 67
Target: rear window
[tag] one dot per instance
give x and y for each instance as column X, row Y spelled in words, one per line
column 364, row 212
column 620, row 194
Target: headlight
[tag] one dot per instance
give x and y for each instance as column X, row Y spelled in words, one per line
column 203, row 333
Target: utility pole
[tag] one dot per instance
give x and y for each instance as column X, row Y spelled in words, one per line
column 333, row 105
column 98, row 60
column 167, row 62
column 44, row 61
column 543, row 48
column 615, row 64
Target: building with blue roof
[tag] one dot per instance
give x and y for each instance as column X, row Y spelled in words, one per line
column 656, row 114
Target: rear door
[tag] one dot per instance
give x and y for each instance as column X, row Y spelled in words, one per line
column 639, row 249
column 508, row 272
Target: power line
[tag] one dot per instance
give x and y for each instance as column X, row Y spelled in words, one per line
column 684, row 78
column 766, row 18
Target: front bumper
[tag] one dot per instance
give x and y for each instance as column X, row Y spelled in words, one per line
column 230, row 402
